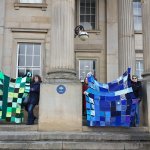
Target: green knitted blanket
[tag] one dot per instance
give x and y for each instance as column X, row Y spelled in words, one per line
column 12, row 93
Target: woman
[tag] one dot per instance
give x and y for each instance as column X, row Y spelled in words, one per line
column 84, row 88
column 137, row 90
column 33, row 98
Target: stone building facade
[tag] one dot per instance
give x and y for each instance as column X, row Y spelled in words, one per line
column 38, row 35
column 26, row 25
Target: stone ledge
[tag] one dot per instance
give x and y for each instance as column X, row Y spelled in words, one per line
column 29, row 30
column 115, row 129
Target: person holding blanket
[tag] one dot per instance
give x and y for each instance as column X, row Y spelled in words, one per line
column 137, row 90
column 33, row 98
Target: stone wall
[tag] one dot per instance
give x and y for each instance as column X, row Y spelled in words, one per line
column 30, row 24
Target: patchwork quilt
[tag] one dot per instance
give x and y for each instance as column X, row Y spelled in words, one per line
column 12, row 92
column 111, row 104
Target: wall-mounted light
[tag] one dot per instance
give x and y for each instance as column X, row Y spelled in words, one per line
column 81, row 33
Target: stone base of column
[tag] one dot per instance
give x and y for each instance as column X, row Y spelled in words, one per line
column 61, row 74
column 146, row 99
column 60, row 106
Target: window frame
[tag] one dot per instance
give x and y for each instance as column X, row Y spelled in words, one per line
column 18, row 5
column 139, row 57
column 140, row 70
column 24, row 67
column 96, row 17
column 79, row 70
column 137, row 16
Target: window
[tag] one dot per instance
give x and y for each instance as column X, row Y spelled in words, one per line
column 137, row 15
column 88, row 14
column 139, row 68
column 86, row 66
column 29, row 58
column 30, row 1
column 30, row 4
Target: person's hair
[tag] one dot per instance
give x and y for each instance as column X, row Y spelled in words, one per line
column 39, row 78
column 134, row 76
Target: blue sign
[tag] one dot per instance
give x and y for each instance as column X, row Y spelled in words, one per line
column 61, row 89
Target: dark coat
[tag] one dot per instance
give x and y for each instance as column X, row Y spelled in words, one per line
column 34, row 93
column 84, row 88
column 137, row 89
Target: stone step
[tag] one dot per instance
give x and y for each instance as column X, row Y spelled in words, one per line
column 23, row 127
column 75, row 145
column 72, row 136
column 74, row 140
column 115, row 129
column 18, row 127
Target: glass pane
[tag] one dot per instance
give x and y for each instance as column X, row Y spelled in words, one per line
column 87, row 3
column 82, row 18
column 92, row 18
column 139, row 68
column 22, row 49
column 87, row 25
column 21, row 72
column 82, row 3
column 82, row 10
column 30, row 1
column 137, row 23
column 137, row 64
column 85, row 67
column 36, row 61
column 28, row 60
column 136, row 0
column 21, row 60
column 138, row 73
column 37, row 49
column 93, row 3
column 142, row 65
column 87, row 18
column 36, row 72
column 88, row 10
column 92, row 10
column 137, row 9
column 93, row 25
column 29, row 49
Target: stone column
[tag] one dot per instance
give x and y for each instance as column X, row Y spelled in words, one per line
column 126, row 36
column 146, row 36
column 61, row 62
column 60, row 107
column 2, row 20
column 146, row 46
column 112, row 40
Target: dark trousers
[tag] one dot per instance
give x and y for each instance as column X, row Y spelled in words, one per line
column 31, row 116
column 135, row 115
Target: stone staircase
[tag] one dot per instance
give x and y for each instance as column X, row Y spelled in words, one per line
column 27, row 137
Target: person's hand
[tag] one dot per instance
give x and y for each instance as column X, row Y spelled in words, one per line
column 85, row 93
